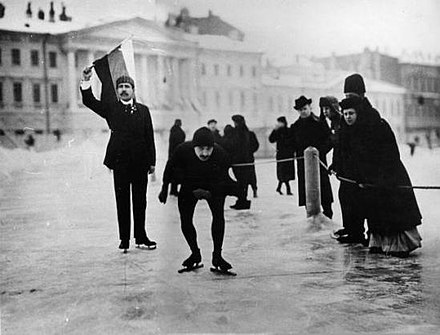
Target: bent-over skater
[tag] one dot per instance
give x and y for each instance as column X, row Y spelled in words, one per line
column 202, row 167
column 131, row 154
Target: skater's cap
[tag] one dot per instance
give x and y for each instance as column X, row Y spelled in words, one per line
column 203, row 137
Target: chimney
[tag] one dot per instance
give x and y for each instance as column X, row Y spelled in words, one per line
column 2, row 10
column 40, row 14
column 63, row 15
column 210, row 13
column 51, row 13
column 29, row 11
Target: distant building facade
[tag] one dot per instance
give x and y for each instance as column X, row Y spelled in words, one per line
column 194, row 69
column 419, row 76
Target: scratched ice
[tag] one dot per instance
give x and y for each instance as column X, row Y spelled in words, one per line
column 62, row 271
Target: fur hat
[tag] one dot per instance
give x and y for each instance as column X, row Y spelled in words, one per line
column 351, row 102
column 125, row 79
column 354, row 84
column 211, row 121
column 203, row 138
column 238, row 118
column 301, row 102
column 328, row 101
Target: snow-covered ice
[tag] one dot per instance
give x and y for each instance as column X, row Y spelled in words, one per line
column 61, row 271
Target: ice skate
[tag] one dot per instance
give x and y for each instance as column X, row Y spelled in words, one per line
column 219, row 265
column 125, row 244
column 146, row 244
column 192, row 263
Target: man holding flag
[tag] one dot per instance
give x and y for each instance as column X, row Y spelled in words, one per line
column 131, row 152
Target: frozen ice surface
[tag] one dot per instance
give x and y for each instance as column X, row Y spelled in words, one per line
column 61, row 271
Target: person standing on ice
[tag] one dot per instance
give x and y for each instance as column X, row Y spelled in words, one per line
column 245, row 144
column 131, row 154
column 368, row 153
column 177, row 136
column 285, row 170
column 351, row 199
column 203, row 169
column 308, row 131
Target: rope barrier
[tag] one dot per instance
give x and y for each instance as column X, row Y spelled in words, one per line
column 366, row 185
column 268, row 162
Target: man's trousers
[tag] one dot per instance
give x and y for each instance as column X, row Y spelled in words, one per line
column 187, row 204
column 126, row 179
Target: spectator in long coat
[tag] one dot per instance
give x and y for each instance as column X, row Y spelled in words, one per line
column 368, row 153
column 285, row 170
column 177, row 136
column 212, row 125
column 245, row 144
column 351, row 197
column 308, row 131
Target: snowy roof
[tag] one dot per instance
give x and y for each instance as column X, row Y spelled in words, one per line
column 327, row 82
column 36, row 26
column 214, row 42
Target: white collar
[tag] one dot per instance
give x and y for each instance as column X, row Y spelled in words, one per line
column 129, row 102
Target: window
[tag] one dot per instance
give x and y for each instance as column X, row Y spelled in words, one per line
column 229, row 70
column 242, row 100
column 52, row 59
column 1, row 92
column 18, row 92
column 217, row 99
column 254, row 71
column 54, row 92
column 15, row 54
column 1, row 61
column 231, row 98
column 241, row 71
column 203, row 69
column 204, row 98
column 216, row 69
column 35, row 58
column 36, row 93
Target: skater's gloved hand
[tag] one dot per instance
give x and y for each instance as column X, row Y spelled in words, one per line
column 202, row 194
column 163, row 195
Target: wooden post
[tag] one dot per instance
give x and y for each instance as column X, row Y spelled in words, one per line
column 312, row 180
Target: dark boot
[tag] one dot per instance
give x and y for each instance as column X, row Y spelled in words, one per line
column 243, row 204
column 219, row 263
column 193, row 260
column 125, row 244
column 146, row 244
column 279, row 188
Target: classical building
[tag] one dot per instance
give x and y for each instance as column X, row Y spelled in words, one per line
column 179, row 75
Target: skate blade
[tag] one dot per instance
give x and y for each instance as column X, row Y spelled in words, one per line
column 145, row 247
column 189, row 269
column 223, row 272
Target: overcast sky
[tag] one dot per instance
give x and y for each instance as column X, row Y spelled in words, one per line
column 288, row 27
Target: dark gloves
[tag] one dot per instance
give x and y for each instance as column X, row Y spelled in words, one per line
column 163, row 194
column 202, row 194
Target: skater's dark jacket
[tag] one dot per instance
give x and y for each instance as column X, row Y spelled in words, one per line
column 187, row 169
column 305, row 132
column 177, row 136
column 368, row 153
column 132, row 136
column 285, row 170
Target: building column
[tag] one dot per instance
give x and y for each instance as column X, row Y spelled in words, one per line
column 192, row 78
column 176, row 84
column 144, row 80
column 72, row 82
column 160, row 78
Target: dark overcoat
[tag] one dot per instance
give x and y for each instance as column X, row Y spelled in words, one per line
column 245, row 144
column 306, row 132
column 368, row 153
column 132, row 135
column 285, row 170
column 177, row 136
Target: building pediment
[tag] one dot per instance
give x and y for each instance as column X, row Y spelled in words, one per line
column 138, row 28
